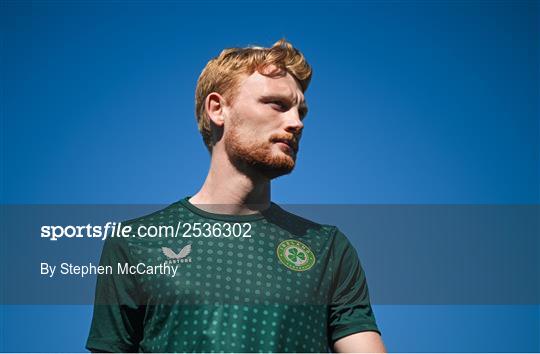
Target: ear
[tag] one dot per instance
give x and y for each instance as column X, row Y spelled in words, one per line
column 214, row 105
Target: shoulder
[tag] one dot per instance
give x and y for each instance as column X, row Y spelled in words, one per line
column 298, row 224
column 161, row 216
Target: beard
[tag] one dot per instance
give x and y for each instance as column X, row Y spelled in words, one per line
column 248, row 155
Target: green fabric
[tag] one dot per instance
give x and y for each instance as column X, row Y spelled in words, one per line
column 230, row 294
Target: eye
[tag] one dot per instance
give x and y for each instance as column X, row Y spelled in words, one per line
column 279, row 106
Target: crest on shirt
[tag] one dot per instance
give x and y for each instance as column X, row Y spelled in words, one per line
column 180, row 257
column 295, row 255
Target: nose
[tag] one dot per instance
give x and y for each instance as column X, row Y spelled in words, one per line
column 293, row 122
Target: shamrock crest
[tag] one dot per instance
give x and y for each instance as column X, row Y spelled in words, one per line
column 295, row 255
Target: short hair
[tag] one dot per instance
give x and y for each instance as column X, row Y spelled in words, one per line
column 222, row 74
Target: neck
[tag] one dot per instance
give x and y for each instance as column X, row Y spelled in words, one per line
column 227, row 190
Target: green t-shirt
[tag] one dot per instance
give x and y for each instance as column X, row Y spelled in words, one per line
column 271, row 281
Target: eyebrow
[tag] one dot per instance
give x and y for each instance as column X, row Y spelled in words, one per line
column 302, row 107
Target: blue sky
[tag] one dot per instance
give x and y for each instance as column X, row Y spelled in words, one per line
column 411, row 102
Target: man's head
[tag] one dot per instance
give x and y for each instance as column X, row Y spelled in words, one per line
column 247, row 99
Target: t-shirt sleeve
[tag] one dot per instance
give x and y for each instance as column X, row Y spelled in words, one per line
column 117, row 323
column 350, row 308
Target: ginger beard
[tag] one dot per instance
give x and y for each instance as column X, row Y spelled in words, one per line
column 258, row 155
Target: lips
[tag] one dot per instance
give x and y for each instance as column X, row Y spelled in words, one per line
column 290, row 143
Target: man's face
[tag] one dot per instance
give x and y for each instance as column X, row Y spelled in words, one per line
column 265, row 124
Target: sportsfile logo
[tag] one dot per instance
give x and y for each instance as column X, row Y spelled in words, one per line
column 180, row 257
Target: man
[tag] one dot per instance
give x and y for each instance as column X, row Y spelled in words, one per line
column 250, row 276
